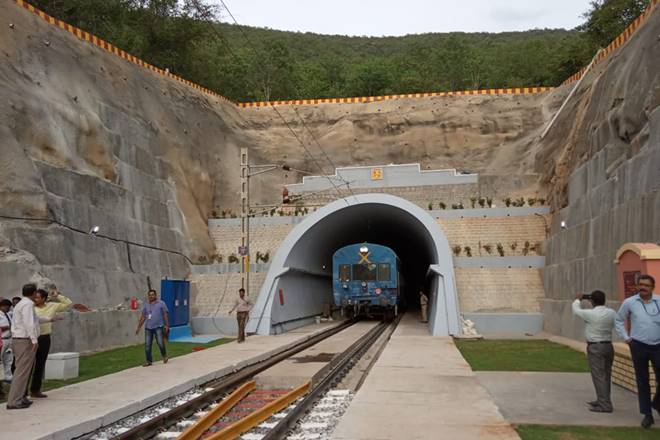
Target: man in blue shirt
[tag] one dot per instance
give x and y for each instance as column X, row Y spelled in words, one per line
column 643, row 310
column 156, row 324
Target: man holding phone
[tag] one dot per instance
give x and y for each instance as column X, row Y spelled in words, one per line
column 643, row 310
column 599, row 323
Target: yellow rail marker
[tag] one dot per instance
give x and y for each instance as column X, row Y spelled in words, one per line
column 195, row 431
column 253, row 419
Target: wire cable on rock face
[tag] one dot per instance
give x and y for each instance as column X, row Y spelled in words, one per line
column 107, row 237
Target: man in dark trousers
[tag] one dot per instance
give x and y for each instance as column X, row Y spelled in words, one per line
column 25, row 334
column 643, row 310
column 156, row 324
column 599, row 323
column 242, row 306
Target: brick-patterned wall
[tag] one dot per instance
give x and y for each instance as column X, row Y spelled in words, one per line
column 214, row 294
column 420, row 195
column 476, row 232
column 262, row 239
column 623, row 373
column 463, row 232
column 499, row 290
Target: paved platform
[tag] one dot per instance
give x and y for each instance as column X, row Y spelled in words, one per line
column 556, row 399
column 422, row 388
column 302, row 367
column 77, row 409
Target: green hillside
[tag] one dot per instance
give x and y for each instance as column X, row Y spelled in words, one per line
column 246, row 63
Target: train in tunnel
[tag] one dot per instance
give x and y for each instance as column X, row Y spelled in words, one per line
column 367, row 281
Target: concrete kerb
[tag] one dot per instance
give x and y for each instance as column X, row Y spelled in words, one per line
column 137, row 406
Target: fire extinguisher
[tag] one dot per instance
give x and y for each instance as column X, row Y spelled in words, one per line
column 134, row 303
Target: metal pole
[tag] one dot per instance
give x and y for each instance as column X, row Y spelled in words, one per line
column 245, row 220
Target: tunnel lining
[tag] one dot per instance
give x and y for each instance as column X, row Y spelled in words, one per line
column 296, row 284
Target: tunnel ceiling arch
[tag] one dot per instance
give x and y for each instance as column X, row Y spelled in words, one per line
column 299, row 279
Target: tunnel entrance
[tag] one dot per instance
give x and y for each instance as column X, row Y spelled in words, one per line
column 299, row 280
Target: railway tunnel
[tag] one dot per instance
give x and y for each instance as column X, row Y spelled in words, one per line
column 299, row 280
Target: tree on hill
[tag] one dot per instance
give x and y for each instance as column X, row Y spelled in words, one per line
column 245, row 63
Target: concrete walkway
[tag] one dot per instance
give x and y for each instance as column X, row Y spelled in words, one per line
column 556, row 399
column 77, row 409
column 422, row 388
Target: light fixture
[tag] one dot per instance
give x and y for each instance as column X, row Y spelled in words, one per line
column 563, row 224
column 95, row 230
column 364, row 250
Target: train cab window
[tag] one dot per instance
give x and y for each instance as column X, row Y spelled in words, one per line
column 344, row 272
column 365, row 272
column 383, row 272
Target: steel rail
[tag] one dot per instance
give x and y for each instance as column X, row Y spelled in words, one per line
column 324, row 379
column 222, row 386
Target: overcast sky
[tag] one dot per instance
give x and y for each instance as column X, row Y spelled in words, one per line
column 389, row 17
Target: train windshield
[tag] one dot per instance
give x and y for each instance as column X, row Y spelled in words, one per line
column 383, row 272
column 364, row 272
column 344, row 272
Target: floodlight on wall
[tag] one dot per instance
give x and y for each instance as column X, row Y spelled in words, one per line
column 95, row 230
column 563, row 224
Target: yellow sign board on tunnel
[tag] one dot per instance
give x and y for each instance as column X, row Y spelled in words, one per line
column 376, row 174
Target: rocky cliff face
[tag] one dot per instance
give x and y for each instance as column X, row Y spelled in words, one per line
column 601, row 163
column 89, row 139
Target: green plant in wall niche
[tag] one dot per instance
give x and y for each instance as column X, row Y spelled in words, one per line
column 500, row 249
column 532, row 201
column 520, row 202
column 507, row 201
column 468, row 251
column 430, row 206
column 457, row 250
column 526, row 248
column 489, row 202
column 541, row 201
column 442, row 205
column 488, row 248
column 233, row 259
column 514, row 246
column 482, row 202
column 473, row 201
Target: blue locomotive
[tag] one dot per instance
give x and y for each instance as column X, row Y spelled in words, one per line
column 366, row 280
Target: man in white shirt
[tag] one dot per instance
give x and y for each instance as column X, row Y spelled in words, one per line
column 599, row 323
column 25, row 332
column 242, row 306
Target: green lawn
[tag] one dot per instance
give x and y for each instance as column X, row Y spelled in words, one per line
column 543, row 432
column 521, row 355
column 118, row 359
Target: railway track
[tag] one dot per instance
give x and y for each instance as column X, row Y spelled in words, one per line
column 233, row 406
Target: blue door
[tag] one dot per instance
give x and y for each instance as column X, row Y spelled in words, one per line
column 176, row 296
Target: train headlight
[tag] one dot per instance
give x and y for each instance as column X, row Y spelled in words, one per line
column 364, row 250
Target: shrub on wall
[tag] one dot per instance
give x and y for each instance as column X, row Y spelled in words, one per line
column 457, row 250
column 468, row 251
column 500, row 249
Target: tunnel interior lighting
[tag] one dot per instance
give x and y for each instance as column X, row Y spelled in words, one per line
column 364, row 250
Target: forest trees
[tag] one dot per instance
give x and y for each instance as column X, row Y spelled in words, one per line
column 244, row 63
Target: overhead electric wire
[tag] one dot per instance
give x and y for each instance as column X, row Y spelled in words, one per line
column 286, row 123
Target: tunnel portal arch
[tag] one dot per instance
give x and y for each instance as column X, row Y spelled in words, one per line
column 298, row 281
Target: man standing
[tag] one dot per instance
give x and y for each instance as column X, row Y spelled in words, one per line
column 25, row 333
column 6, row 355
column 599, row 323
column 156, row 324
column 242, row 306
column 643, row 310
column 424, row 304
